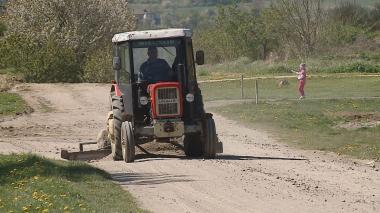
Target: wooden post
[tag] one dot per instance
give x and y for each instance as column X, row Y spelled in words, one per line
column 242, row 86
column 257, row 91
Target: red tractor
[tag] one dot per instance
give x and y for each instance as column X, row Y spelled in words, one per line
column 155, row 95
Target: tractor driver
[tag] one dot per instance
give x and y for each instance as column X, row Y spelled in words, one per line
column 155, row 69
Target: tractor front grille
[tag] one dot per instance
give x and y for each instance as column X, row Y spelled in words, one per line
column 168, row 103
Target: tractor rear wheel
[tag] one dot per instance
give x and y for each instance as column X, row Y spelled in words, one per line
column 193, row 145
column 210, row 138
column 117, row 109
column 127, row 142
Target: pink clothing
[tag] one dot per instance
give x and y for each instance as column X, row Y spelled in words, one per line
column 302, row 81
column 301, row 87
column 301, row 74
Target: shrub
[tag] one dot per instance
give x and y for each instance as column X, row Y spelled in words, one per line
column 369, row 56
column 2, row 29
column 98, row 67
column 39, row 62
column 52, row 63
column 358, row 67
column 203, row 73
column 279, row 69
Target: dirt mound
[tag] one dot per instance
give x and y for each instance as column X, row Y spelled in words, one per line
column 283, row 83
column 159, row 148
column 7, row 82
column 353, row 121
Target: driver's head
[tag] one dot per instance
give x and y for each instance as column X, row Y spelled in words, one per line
column 152, row 52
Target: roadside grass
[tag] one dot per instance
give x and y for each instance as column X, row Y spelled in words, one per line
column 11, row 104
column 342, row 126
column 34, row 184
column 316, row 87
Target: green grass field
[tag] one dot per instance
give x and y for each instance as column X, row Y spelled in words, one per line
column 33, row 184
column 342, row 126
column 11, row 104
column 358, row 62
column 316, row 87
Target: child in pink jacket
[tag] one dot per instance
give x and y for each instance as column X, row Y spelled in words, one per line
column 301, row 76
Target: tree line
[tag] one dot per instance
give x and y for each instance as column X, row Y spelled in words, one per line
column 70, row 40
column 287, row 29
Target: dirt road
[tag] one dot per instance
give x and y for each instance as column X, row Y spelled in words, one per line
column 255, row 174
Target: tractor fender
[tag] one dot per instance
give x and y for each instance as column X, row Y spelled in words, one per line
column 126, row 95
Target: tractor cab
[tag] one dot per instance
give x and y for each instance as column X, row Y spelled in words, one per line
column 155, row 95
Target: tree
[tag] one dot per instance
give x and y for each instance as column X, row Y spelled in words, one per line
column 300, row 22
column 232, row 36
column 80, row 27
column 266, row 32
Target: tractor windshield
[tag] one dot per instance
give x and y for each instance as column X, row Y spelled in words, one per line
column 156, row 60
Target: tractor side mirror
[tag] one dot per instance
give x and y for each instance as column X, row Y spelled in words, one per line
column 116, row 63
column 200, row 57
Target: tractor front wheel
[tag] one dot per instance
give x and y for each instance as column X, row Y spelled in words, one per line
column 127, row 142
column 210, row 138
column 193, row 145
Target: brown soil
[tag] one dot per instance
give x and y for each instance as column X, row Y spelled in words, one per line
column 353, row 121
column 7, row 82
column 255, row 173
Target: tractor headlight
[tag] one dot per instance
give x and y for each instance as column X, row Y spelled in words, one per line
column 144, row 100
column 189, row 97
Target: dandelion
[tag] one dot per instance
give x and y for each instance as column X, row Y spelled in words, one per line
column 35, row 195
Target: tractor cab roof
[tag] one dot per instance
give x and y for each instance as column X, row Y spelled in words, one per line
column 151, row 34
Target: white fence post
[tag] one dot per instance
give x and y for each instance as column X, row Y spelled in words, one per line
column 242, row 86
column 257, row 91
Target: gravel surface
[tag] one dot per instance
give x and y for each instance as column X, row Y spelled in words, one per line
column 254, row 174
